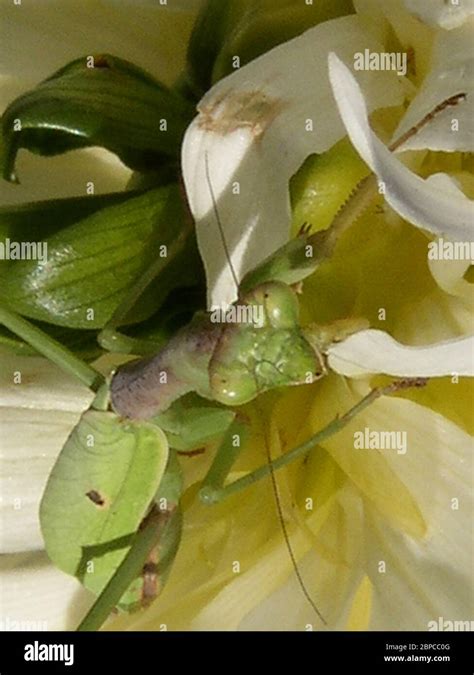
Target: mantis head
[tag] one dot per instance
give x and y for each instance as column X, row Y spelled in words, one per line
column 265, row 349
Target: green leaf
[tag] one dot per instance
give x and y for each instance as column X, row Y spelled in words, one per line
column 113, row 104
column 36, row 220
column 91, row 264
column 259, row 27
column 98, row 494
column 213, row 24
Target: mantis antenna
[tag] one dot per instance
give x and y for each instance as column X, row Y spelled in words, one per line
column 274, row 483
column 218, row 221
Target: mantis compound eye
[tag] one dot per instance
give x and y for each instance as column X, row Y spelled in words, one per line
column 279, row 303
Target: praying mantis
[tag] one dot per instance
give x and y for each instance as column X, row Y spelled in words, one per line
column 225, row 363
column 110, row 513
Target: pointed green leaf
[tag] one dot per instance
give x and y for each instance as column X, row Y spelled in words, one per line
column 97, row 100
column 91, row 264
column 98, row 493
column 34, row 221
column 225, row 29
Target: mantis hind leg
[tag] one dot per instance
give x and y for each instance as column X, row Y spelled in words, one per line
column 214, row 490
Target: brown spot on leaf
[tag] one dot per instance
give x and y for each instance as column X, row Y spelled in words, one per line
column 96, row 498
column 101, row 61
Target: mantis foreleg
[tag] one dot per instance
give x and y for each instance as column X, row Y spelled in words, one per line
column 213, row 493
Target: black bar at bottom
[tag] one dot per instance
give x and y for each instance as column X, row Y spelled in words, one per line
column 144, row 653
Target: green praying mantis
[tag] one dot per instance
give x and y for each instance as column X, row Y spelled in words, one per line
column 110, row 514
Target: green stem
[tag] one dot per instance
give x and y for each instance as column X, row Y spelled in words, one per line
column 128, row 570
column 51, row 349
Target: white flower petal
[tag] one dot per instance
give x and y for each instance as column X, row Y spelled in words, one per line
column 36, row 418
column 428, row 578
column 252, row 127
column 449, row 274
column 435, row 318
column 36, row 596
column 452, row 73
column 373, row 351
column 411, row 35
column 440, row 12
column 409, row 195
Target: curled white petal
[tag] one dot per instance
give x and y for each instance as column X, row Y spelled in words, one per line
column 447, row 268
column 449, row 274
column 452, row 73
column 36, row 417
column 255, row 128
column 373, row 351
column 409, row 195
column 440, row 12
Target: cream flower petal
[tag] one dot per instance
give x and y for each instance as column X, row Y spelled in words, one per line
column 36, row 596
column 65, row 176
column 452, row 73
column 414, row 37
column 331, row 583
column 36, row 417
column 449, row 274
column 253, row 600
column 150, row 34
column 441, row 13
column 373, row 351
column 409, row 195
column 428, row 578
column 436, row 318
column 242, row 130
